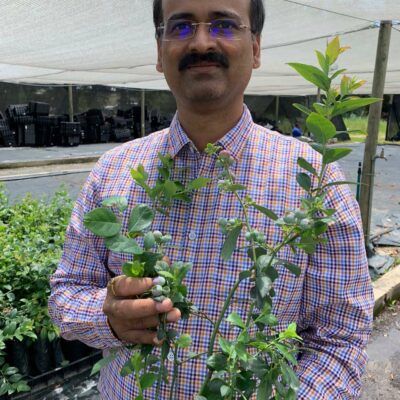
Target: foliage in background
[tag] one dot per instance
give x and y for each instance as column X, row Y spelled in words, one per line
column 31, row 239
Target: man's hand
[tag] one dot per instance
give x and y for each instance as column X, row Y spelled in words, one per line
column 131, row 319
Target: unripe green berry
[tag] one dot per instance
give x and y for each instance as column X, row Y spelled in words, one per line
column 159, row 299
column 157, row 235
column 160, row 280
column 166, row 239
column 157, row 291
column 166, row 291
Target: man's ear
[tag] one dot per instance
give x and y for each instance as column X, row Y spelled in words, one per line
column 257, row 51
column 159, row 67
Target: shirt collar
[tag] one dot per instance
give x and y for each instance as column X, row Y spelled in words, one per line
column 233, row 141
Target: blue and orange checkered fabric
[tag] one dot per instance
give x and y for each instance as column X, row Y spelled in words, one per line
column 331, row 301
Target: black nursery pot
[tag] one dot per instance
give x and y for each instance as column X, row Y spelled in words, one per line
column 58, row 356
column 18, row 355
column 74, row 350
column 42, row 355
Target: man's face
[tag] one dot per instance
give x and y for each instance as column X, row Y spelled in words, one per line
column 196, row 77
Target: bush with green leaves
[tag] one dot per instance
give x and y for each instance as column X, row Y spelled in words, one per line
column 258, row 364
column 31, row 238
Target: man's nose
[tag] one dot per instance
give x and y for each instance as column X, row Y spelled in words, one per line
column 202, row 41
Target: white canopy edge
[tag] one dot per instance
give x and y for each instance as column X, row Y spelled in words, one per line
column 103, row 42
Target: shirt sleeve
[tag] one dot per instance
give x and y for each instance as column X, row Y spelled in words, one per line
column 78, row 287
column 337, row 308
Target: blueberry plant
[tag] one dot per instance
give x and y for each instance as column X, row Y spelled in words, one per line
column 259, row 363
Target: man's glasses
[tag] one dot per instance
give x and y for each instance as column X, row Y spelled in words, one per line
column 176, row 30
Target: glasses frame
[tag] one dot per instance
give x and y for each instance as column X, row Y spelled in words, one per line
column 161, row 29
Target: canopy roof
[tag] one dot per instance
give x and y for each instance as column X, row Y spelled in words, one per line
column 111, row 42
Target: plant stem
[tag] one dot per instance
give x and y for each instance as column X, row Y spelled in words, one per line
column 175, row 374
column 216, row 328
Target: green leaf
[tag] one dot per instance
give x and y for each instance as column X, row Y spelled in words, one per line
column 133, row 269
column 102, row 222
column 230, row 243
column 225, row 345
column 244, row 275
column 147, row 380
column 234, row 319
column 332, row 155
column 294, row 269
column 351, row 104
column 184, row 341
column 141, row 218
column 312, row 74
column 270, row 214
column 333, row 49
column 23, row 387
column 217, row 362
column 302, row 108
column 290, row 377
column 170, row 188
column 290, row 332
column 303, row 163
column 337, row 73
column 321, row 109
column 286, row 353
column 116, row 201
column 225, row 390
column 318, row 147
column 321, row 128
column 323, row 62
column 198, row 183
column 102, row 363
column 123, row 244
column 264, row 285
column 166, row 274
column 304, row 181
column 264, row 390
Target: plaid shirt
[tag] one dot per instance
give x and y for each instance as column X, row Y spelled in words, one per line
column 331, row 301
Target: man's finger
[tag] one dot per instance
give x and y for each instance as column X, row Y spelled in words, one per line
column 123, row 286
column 139, row 308
column 140, row 337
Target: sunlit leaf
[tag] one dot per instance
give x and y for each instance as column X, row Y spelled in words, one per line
column 198, row 183
column 270, row 214
column 302, row 108
column 141, row 218
column 312, row 74
column 116, row 201
column 234, row 319
column 352, row 104
column 102, row 222
column 184, row 341
column 123, row 244
column 321, row 128
column 332, row 155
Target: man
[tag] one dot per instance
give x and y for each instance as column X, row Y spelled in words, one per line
column 207, row 50
column 296, row 132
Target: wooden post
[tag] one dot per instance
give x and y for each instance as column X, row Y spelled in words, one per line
column 143, row 113
column 374, row 117
column 70, row 104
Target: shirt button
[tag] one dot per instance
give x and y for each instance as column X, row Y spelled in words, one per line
column 170, row 356
column 192, row 235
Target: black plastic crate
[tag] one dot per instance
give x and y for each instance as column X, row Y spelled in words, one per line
column 121, row 135
column 95, row 112
column 7, row 137
column 26, row 135
column 17, row 110
column 105, row 133
column 70, row 133
column 38, row 108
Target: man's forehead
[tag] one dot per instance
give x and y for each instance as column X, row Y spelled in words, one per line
column 205, row 8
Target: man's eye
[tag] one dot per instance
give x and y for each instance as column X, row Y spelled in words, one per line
column 182, row 26
column 226, row 24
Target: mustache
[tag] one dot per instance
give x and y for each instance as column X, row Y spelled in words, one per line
column 196, row 58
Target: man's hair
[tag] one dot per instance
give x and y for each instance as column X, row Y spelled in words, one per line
column 257, row 15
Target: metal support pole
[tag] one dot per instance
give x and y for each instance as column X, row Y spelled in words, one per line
column 276, row 110
column 70, row 104
column 374, row 117
column 143, row 113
